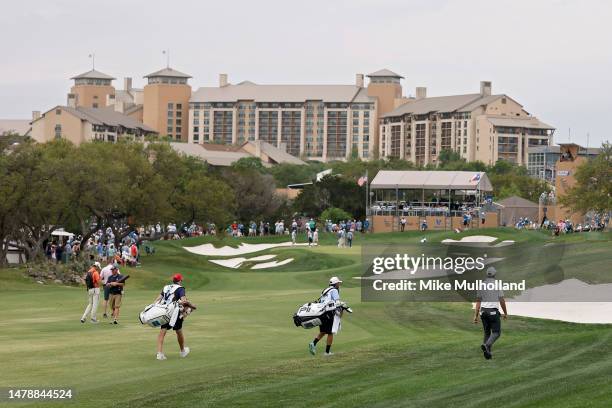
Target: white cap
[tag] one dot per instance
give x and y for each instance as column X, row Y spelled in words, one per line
column 334, row 280
column 97, row 264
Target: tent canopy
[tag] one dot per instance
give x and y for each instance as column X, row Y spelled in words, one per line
column 61, row 233
column 431, row 180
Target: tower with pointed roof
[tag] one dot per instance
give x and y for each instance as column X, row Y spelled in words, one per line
column 385, row 85
column 166, row 103
column 91, row 89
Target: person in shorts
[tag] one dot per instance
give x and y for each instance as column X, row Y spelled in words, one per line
column 115, row 284
column 330, row 326
column 174, row 292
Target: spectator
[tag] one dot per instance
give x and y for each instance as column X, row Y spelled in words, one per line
column 92, row 281
column 115, row 284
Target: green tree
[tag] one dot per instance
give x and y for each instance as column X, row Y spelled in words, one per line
column 335, row 215
column 249, row 164
column 593, row 188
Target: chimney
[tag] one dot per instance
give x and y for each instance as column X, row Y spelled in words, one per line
column 222, row 80
column 127, row 83
column 72, row 100
column 359, row 80
column 421, row 92
column 485, row 88
column 35, row 115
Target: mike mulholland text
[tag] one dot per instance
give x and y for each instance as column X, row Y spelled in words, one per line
column 437, row 285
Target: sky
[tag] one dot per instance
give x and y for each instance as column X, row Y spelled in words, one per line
column 552, row 56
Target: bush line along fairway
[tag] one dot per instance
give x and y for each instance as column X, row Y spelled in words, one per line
column 246, row 352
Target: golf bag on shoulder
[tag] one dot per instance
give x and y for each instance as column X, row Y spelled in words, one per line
column 315, row 314
column 159, row 314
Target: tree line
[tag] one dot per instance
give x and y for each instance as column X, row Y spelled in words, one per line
column 119, row 186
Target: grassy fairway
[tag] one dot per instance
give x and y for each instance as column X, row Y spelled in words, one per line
column 246, row 352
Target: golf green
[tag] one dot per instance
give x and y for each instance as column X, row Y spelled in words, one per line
column 246, row 351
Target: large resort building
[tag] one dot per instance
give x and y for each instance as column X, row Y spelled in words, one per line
column 318, row 122
column 479, row 126
column 314, row 122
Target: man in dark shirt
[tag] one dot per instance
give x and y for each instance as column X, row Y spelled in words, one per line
column 172, row 293
column 115, row 284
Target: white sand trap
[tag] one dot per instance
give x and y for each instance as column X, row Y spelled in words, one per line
column 570, row 301
column 272, row 264
column 237, row 262
column 476, row 241
column 242, row 249
column 573, row 312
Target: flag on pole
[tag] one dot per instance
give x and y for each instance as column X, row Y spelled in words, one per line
column 362, row 180
column 475, row 178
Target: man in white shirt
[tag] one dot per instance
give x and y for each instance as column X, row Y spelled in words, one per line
column 105, row 273
column 331, row 325
column 487, row 306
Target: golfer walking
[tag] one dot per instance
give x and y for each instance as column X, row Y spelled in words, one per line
column 92, row 280
column 174, row 292
column 330, row 326
column 487, row 307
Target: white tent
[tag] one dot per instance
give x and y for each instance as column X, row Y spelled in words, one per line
column 431, row 180
column 61, row 233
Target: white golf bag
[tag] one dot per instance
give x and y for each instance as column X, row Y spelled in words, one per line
column 315, row 314
column 159, row 314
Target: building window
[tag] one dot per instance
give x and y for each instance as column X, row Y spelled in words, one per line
column 58, row 111
column 336, row 133
column 222, row 126
column 58, row 131
column 446, row 136
column 291, row 125
column 396, row 141
column 169, row 130
column 420, row 142
column 170, row 106
column 95, row 105
column 179, row 106
column 268, row 126
column 179, row 114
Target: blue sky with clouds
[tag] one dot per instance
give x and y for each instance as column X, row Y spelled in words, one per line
column 553, row 56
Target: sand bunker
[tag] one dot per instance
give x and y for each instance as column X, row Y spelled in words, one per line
column 242, row 249
column 273, row 264
column 573, row 312
column 477, row 241
column 237, row 262
column 570, row 301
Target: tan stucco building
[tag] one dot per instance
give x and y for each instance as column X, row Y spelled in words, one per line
column 166, row 103
column 80, row 124
column 91, row 89
column 316, row 122
column 479, row 126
